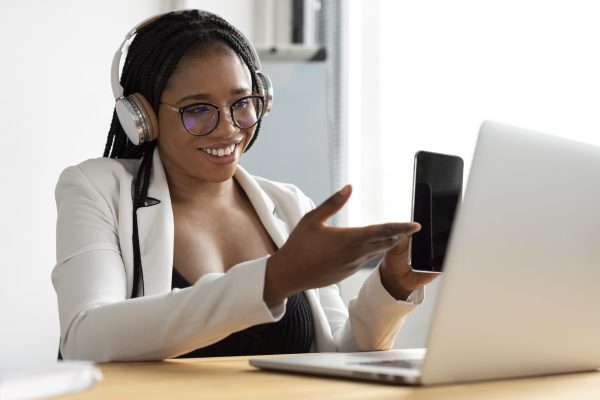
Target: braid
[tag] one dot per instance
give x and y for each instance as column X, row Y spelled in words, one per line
column 140, row 193
column 146, row 169
column 151, row 59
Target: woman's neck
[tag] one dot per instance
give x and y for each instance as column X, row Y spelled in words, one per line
column 190, row 190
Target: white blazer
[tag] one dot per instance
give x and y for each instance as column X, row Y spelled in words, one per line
column 94, row 273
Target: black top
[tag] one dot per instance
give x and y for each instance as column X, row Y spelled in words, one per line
column 294, row 333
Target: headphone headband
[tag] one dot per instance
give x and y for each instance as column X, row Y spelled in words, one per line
column 114, row 73
column 116, row 63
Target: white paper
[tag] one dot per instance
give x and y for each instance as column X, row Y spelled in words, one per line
column 46, row 380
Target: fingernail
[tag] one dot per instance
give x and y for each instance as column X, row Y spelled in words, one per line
column 345, row 190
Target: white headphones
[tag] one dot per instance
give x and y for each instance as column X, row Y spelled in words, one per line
column 135, row 112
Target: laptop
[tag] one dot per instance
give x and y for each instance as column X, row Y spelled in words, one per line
column 520, row 294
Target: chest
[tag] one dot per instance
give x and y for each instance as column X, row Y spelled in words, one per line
column 216, row 240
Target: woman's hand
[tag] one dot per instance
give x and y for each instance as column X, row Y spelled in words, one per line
column 396, row 275
column 317, row 255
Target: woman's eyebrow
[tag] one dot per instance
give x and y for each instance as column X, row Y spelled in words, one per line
column 241, row 90
column 196, row 96
column 206, row 96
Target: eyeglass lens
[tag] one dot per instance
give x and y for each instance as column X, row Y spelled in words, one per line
column 201, row 119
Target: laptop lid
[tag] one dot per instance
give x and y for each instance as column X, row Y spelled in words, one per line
column 521, row 290
column 520, row 293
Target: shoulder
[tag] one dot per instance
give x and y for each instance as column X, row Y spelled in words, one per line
column 102, row 169
column 105, row 168
column 104, row 175
column 285, row 195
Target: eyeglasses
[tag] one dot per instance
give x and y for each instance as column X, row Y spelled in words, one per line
column 201, row 119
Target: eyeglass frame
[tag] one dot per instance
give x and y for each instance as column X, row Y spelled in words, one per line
column 218, row 108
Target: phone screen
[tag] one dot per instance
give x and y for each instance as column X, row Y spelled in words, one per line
column 437, row 190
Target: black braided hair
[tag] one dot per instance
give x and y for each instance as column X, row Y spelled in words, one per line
column 151, row 60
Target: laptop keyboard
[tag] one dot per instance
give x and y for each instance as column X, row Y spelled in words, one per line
column 411, row 364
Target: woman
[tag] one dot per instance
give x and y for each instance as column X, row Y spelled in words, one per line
column 168, row 248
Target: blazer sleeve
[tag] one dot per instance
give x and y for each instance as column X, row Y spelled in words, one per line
column 373, row 318
column 98, row 322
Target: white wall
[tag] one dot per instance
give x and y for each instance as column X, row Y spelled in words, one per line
column 293, row 144
column 425, row 74
column 55, row 106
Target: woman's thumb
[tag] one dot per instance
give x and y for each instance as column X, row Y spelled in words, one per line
column 332, row 205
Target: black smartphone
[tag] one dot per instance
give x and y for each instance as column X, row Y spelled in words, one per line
column 437, row 192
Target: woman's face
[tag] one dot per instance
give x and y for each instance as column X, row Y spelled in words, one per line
column 218, row 78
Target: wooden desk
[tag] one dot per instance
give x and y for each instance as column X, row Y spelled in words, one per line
column 233, row 378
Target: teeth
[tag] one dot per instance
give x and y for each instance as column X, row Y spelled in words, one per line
column 223, row 151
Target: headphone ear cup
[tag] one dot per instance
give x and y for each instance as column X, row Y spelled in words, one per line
column 266, row 90
column 149, row 116
column 137, row 118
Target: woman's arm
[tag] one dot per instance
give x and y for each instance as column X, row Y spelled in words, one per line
column 317, row 255
column 98, row 321
column 373, row 318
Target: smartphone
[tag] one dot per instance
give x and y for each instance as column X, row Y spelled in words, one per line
column 437, row 192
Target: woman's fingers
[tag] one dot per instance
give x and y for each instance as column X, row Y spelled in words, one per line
column 375, row 239
column 316, row 255
column 330, row 206
column 381, row 232
column 373, row 248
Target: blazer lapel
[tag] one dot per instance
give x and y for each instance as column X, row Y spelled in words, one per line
column 277, row 228
column 156, row 225
column 156, row 232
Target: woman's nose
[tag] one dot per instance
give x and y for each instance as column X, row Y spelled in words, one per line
column 226, row 125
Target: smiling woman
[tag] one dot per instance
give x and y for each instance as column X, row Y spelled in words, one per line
column 217, row 77
column 166, row 247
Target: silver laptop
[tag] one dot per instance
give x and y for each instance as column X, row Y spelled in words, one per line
column 521, row 291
